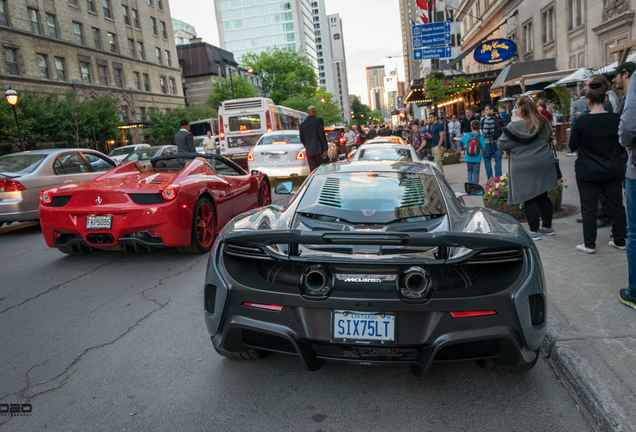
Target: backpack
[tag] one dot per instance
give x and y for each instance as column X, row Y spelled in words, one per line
column 474, row 146
column 500, row 124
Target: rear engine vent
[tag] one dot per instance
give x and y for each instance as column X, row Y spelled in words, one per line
column 367, row 239
column 496, row 257
column 60, row 201
column 156, row 180
column 242, row 105
column 245, row 251
column 330, row 193
column 414, row 193
column 372, row 270
column 147, row 198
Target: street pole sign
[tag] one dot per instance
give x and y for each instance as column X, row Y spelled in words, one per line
column 432, row 53
column 400, row 103
column 428, row 35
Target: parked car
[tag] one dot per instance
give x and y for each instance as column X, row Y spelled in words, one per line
column 24, row 175
column 377, row 262
column 380, row 150
column 177, row 201
column 279, row 154
column 334, row 135
column 120, row 153
column 143, row 155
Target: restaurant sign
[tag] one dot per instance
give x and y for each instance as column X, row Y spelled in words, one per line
column 495, row 51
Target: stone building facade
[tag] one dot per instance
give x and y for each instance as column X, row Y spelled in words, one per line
column 122, row 48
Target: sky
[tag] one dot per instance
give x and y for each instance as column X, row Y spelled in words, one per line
column 370, row 29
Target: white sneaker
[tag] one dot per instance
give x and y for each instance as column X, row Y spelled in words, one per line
column 582, row 248
column 614, row 245
column 570, row 154
column 536, row 236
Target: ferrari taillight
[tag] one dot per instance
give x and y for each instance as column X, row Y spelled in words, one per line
column 268, row 120
column 8, row 185
column 221, row 130
column 250, row 157
column 300, row 155
column 170, row 192
column 46, row 197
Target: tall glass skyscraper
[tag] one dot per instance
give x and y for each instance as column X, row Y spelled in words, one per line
column 255, row 25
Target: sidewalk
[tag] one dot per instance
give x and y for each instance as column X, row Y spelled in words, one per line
column 590, row 341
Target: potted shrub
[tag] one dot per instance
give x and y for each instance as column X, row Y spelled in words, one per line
column 451, row 157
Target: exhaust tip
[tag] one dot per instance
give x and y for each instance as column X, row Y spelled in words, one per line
column 316, row 281
column 414, row 283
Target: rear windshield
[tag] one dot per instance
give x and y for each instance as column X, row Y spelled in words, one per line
column 333, row 134
column 143, row 154
column 245, row 122
column 20, row 163
column 367, row 197
column 279, row 139
column 388, row 153
column 122, row 151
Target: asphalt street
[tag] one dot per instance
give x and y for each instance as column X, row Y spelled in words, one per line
column 117, row 341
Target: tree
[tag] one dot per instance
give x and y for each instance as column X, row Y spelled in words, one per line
column 166, row 124
column 327, row 110
column 363, row 115
column 222, row 90
column 285, row 73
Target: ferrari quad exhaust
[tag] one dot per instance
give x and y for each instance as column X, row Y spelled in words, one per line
column 100, row 239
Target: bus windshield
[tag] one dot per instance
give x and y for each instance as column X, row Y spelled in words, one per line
column 245, row 122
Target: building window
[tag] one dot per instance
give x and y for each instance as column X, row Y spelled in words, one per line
column 528, row 37
column 72, row 2
column 77, row 29
column 168, row 60
column 103, row 75
column 142, row 113
column 153, row 23
column 162, row 82
column 160, row 4
column 158, row 54
column 86, row 73
column 50, row 22
column 149, row 2
column 44, row 67
column 146, row 82
column 61, row 72
column 135, row 17
column 4, row 17
column 106, row 7
column 124, row 10
column 140, row 49
column 548, row 25
column 35, row 23
column 131, row 47
column 173, row 88
column 90, row 5
column 138, row 80
column 576, row 15
column 119, row 77
column 164, row 32
column 97, row 39
column 112, row 42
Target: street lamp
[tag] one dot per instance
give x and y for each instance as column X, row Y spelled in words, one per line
column 322, row 100
column 231, row 80
column 250, row 70
column 12, row 98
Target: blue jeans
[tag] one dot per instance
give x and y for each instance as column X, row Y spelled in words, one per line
column 630, row 200
column 473, row 171
column 455, row 145
column 491, row 150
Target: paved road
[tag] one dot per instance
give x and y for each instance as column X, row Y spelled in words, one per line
column 116, row 341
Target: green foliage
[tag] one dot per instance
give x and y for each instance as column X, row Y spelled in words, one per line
column 222, row 90
column 285, row 73
column 362, row 114
column 474, row 108
column 166, row 124
column 327, row 110
column 438, row 86
column 564, row 99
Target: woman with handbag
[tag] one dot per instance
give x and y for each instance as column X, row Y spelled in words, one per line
column 532, row 169
column 599, row 167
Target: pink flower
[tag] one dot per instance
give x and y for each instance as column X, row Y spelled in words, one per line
column 497, row 193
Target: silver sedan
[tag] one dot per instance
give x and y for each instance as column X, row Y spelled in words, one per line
column 279, row 154
column 390, row 151
column 24, row 175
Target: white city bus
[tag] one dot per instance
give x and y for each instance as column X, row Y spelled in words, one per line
column 243, row 121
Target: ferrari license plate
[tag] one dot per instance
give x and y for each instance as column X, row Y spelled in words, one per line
column 356, row 326
column 98, row 222
column 274, row 157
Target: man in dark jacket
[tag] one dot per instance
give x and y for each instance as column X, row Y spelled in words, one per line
column 372, row 133
column 184, row 139
column 312, row 135
column 465, row 122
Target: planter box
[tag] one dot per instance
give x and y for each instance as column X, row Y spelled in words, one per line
column 518, row 213
column 450, row 160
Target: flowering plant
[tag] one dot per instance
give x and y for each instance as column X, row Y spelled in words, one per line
column 451, row 153
column 496, row 189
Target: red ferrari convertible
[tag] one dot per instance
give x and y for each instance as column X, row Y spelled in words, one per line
column 178, row 201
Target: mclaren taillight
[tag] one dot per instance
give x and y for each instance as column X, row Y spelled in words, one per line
column 465, row 314
column 269, row 307
column 250, row 157
column 170, row 192
column 268, row 121
column 221, row 130
column 8, row 185
column 300, row 155
column 46, row 197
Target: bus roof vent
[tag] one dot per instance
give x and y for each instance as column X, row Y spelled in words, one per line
column 243, row 105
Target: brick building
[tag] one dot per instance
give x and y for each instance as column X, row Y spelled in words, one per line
column 122, row 48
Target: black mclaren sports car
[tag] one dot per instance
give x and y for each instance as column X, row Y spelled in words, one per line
column 377, row 262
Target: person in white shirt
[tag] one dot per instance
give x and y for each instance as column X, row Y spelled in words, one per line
column 209, row 143
column 455, row 131
column 350, row 138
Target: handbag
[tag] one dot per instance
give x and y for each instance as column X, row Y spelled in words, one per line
column 556, row 160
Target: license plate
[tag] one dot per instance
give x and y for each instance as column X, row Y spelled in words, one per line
column 361, row 327
column 98, row 222
column 274, row 157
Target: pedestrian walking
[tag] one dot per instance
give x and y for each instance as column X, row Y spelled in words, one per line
column 627, row 134
column 578, row 106
column 465, row 122
column 599, row 167
column 473, row 142
column 384, row 131
column 312, row 136
column 543, row 110
column 184, row 139
column 372, row 133
column 532, row 168
column 492, row 126
column 620, row 78
column 455, row 130
column 350, row 138
column 436, row 134
column 209, row 143
column 504, row 114
column 361, row 137
column 418, row 140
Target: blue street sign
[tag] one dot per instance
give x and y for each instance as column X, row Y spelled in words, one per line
column 437, row 27
column 431, row 40
column 426, row 35
column 431, row 53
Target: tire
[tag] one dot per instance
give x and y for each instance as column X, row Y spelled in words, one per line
column 492, row 366
column 203, row 228
column 250, row 354
column 264, row 194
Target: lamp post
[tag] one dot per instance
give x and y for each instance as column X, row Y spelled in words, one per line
column 12, row 98
column 229, row 66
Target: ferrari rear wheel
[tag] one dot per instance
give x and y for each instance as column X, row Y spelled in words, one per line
column 264, row 194
column 203, row 228
column 250, row 354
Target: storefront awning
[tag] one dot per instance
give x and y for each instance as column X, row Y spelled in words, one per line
column 580, row 75
column 611, row 67
column 527, row 73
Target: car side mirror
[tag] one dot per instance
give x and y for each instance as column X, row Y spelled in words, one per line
column 284, row 188
column 256, row 173
column 342, row 157
column 473, row 188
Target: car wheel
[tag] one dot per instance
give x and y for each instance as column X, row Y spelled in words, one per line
column 250, row 354
column 264, row 194
column 492, row 366
column 203, row 228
